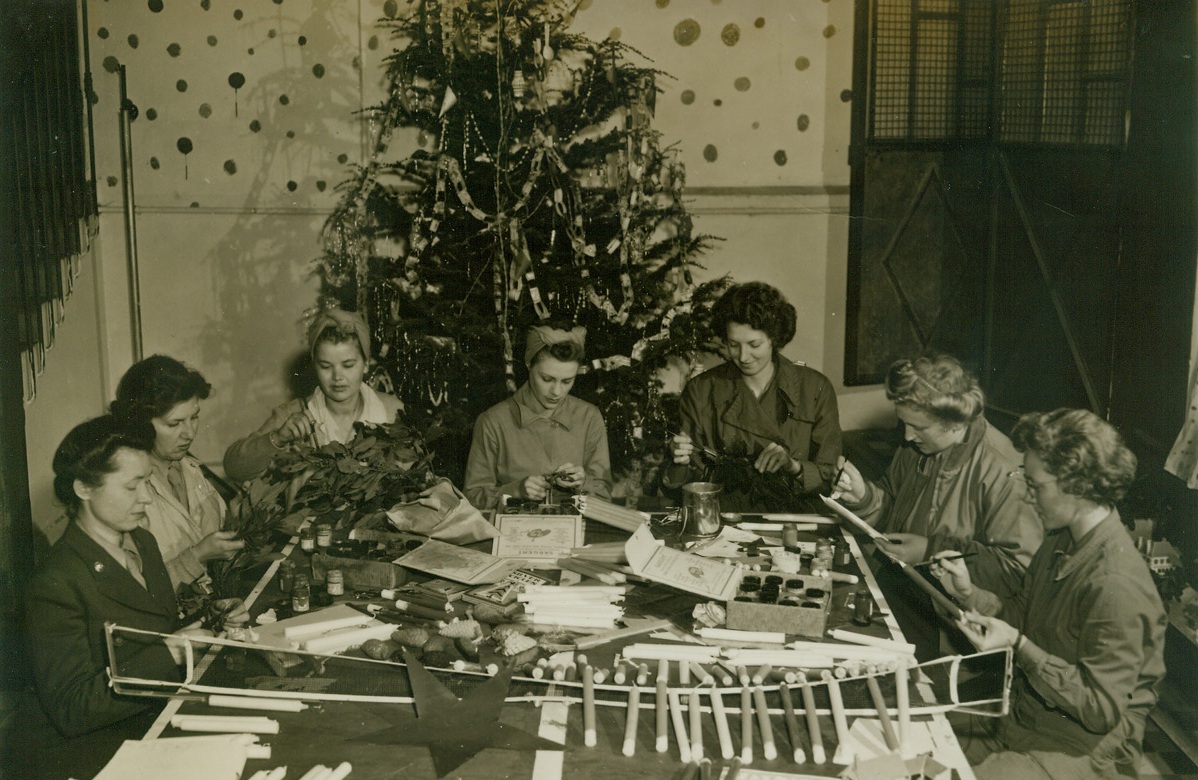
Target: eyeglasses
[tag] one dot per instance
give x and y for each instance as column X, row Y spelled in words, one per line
column 1020, row 473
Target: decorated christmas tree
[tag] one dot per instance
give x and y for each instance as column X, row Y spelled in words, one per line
column 539, row 192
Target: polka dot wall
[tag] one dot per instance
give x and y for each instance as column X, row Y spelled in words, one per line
column 252, row 102
column 751, row 95
column 240, row 102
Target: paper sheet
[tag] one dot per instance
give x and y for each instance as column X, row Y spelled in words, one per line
column 180, row 758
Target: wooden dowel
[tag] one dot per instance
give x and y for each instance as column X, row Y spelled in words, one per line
column 696, row 722
column 733, row 770
column 701, row 674
column 902, row 679
column 768, row 749
column 684, row 673
column 838, row 718
column 663, row 707
column 634, row 710
column 762, row 674
column 875, row 693
column 817, row 738
column 742, row 674
column 722, row 731
column 589, row 736
column 684, row 747
column 746, row 725
column 792, row 723
column 642, row 674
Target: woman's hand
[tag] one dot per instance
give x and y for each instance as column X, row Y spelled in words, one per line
column 232, row 610
column 776, row 458
column 987, row 633
column 298, row 427
column 178, row 647
column 850, row 485
column 218, row 546
column 534, row 487
column 908, row 548
column 682, row 448
column 952, row 573
column 569, row 476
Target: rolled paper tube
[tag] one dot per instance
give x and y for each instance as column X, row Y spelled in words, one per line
column 559, row 673
column 696, row 722
column 621, row 673
column 768, row 749
column 580, row 659
column 571, row 591
column 258, row 752
column 840, row 576
column 571, row 673
column 278, row 773
column 701, row 673
column 857, row 651
column 743, row 675
column 691, row 772
column 342, row 771
column 705, row 769
column 746, row 725
column 584, row 643
column 684, row 747
column 588, row 706
column 722, row 731
column 320, row 770
column 642, row 674
column 656, row 652
column 684, row 673
column 785, row 658
column 534, row 671
column 325, row 626
column 419, row 610
column 733, row 770
column 902, row 679
column 226, row 724
column 601, row 675
column 762, row 674
column 792, row 723
column 944, row 601
column 634, row 711
column 663, row 717
column 586, row 569
column 817, row 738
column 255, row 703
column 838, row 718
column 878, row 642
column 733, row 635
column 784, row 676
column 346, row 638
column 875, row 693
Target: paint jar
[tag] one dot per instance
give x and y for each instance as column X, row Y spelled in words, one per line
column 863, row 606
column 324, row 535
column 307, row 539
column 301, row 593
column 334, row 582
column 237, row 631
column 285, row 576
column 842, row 556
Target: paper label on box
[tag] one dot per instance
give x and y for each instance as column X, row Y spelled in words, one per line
column 460, row 564
column 537, row 539
column 692, row 573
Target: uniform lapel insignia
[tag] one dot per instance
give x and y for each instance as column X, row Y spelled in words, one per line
column 99, row 567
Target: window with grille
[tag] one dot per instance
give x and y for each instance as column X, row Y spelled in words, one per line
column 1020, row 71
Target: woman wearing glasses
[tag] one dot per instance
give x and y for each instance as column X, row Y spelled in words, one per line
column 1087, row 627
column 953, row 485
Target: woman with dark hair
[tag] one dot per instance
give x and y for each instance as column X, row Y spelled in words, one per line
column 105, row 568
column 542, row 436
column 186, row 513
column 1087, row 627
column 339, row 344
column 953, row 485
column 777, row 417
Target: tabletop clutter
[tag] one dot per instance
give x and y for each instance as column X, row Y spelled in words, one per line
column 759, row 654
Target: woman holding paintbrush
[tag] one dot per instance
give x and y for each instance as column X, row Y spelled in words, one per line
column 954, row 485
column 765, row 428
column 1087, row 628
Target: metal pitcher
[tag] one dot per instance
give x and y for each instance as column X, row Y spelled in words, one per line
column 701, row 509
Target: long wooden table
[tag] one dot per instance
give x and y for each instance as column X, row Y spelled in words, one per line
column 372, row 736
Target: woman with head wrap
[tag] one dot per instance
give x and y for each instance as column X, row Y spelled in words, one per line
column 764, row 427
column 162, row 397
column 953, row 485
column 541, row 437
column 1087, row 627
column 339, row 344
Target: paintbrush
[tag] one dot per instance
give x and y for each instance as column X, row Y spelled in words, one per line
column 957, row 557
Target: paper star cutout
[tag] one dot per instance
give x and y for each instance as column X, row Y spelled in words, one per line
column 455, row 730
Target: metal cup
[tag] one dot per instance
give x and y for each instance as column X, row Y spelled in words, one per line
column 701, row 509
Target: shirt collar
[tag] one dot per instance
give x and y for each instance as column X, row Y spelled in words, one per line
column 529, row 409
column 108, row 539
column 1073, row 554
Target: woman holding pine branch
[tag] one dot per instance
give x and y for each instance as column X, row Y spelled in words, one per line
column 339, row 343
column 766, row 429
column 541, row 437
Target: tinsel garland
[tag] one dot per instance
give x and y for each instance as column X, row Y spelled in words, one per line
column 545, row 190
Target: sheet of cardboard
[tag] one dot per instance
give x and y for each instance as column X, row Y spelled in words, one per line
column 460, row 564
column 537, row 540
column 692, row 573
